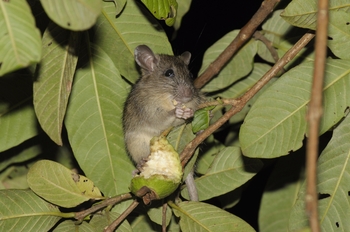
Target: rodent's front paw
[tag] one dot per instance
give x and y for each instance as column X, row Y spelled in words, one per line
column 184, row 113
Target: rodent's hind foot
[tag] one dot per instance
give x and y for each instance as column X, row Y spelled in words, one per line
column 184, row 113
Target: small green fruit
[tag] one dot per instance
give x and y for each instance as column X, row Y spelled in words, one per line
column 161, row 173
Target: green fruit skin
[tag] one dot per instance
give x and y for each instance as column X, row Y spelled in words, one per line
column 161, row 186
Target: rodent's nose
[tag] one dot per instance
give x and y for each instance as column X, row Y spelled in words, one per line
column 184, row 93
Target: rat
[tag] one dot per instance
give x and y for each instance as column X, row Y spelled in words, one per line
column 164, row 96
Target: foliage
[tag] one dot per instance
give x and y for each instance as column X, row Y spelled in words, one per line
column 68, row 84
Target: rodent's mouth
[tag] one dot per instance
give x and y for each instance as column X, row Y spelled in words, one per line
column 183, row 99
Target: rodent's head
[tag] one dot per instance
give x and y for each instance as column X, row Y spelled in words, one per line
column 164, row 73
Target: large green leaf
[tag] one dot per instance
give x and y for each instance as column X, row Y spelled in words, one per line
column 59, row 185
column 228, row 171
column 69, row 225
column 275, row 30
column 281, row 192
column 74, row 15
column 14, row 156
column 198, row 216
column 14, row 177
column 179, row 137
column 19, row 38
column 17, row 117
column 239, row 66
column 210, row 148
column 100, row 221
column 22, row 210
column 94, row 122
column 156, row 214
column 163, row 9
column 333, row 185
column 339, row 31
column 184, row 6
column 119, row 37
column 54, row 79
column 276, row 123
column 302, row 13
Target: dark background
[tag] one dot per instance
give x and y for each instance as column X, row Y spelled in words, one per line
column 206, row 22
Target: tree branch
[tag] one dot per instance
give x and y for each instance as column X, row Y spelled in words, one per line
column 314, row 115
column 243, row 36
column 121, row 217
column 240, row 102
column 110, row 201
column 258, row 36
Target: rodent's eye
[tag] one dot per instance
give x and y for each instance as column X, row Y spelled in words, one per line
column 169, row 73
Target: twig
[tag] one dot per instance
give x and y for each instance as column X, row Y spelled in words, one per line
column 240, row 102
column 110, row 201
column 121, row 217
column 258, row 36
column 164, row 208
column 314, row 115
column 243, row 36
column 217, row 102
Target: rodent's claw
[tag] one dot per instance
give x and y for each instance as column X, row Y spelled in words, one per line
column 184, row 113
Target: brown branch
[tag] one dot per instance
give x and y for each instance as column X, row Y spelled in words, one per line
column 314, row 115
column 217, row 102
column 258, row 36
column 243, row 36
column 240, row 102
column 121, row 217
column 110, row 201
column 164, row 208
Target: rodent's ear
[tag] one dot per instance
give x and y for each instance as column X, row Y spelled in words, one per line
column 186, row 57
column 145, row 58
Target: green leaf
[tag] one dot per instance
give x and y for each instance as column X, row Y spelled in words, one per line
column 69, row 225
column 54, row 79
column 276, row 123
column 239, row 66
column 14, row 177
column 302, row 13
column 14, row 156
column 183, row 8
column 198, row 216
column 162, row 9
column 76, row 15
column 179, row 137
column 22, row 210
column 94, row 122
column 17, row 117
column 119, row 6
column 207, row 154
column 274, row 29
column 143, row 223
column 100, row 221
column 239, row 88
column 201, row 119
column 339, row 31
column 19, row 38
column 59, row 185
column 156, row 214
column 333, row 185
column 119, row 37
column 280, row 193
column 228, row 171
column 232, row 198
